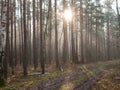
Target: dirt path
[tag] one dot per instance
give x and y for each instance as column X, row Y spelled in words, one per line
column 82, row 78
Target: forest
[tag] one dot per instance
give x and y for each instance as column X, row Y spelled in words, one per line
column 43, row 39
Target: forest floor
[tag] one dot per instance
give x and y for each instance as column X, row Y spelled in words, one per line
column 110, row 80
column 71, row 77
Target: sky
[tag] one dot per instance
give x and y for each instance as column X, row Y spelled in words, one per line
column 114, row 4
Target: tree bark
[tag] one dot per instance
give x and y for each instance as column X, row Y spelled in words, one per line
column 81, row 31
column 56, row 37
column 25, row 61
column 41, row 41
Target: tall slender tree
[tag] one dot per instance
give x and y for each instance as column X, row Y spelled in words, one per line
column 81, row 31
column 5, row 61
column 25, row 61
column 56, row 37
column 34, row 38
column 65, row 36
column 41, row 41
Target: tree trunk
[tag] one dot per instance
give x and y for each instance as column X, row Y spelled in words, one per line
column 41, row 41
column 108, row 41
column 6, row 59
column 56, row 37
column 34, row 38
column 25, row 61
column 81, row 31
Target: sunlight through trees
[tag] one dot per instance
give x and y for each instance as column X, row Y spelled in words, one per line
column 45, row 35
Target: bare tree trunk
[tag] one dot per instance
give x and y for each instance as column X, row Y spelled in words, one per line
column 108, row 40
column 34, row 38
column 41, row 41
column 96, row 37
column 76, row 50
column 56, row 37
column 15, row 36
column 25, row 61
column 21, row 33
column 81, row 31
column 118, row 13
column 50, row 29
column 72, row 37
column 65, row 38
column 11, row 49
column 6, row 59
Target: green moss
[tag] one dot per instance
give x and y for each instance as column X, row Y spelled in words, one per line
column 80, row 79
column 6, row 88
column 67, row 86
column 36, row 79
column 2, row 82
column 108, row 79
column 88, row 73
column 27, row 84
column 46, row 77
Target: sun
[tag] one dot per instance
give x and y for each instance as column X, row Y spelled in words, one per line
column 68, row 14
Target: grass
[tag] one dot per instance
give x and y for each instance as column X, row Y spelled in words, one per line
column 23, row 82
column 108, row 82
column 88, row 73
column 32, row 80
